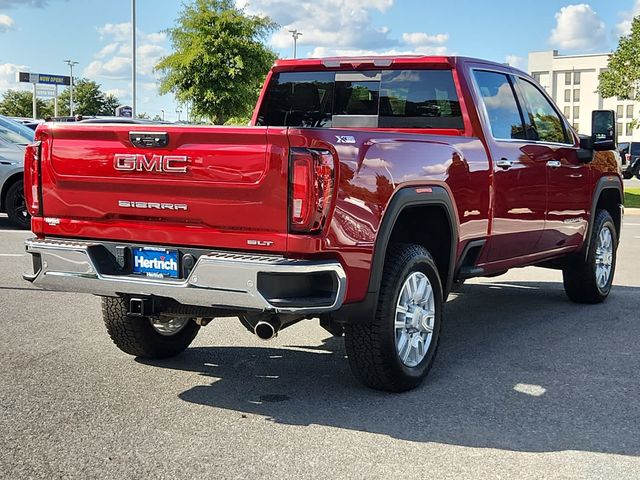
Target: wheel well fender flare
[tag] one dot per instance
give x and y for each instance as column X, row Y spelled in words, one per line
column 603, row 184
column 413, row 197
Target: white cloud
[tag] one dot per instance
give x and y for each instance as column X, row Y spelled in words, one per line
column 108, row 49
column 8, row 75
column 624, row 27
column 515, row 61
column 120, row 32
column 336, row 24
column 421, row 38
column 578, row 27
column 6, row 23
column 341, row 27
column 113, row 60
column 23, row 3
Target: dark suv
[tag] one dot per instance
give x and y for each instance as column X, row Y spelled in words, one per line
column 630, row 153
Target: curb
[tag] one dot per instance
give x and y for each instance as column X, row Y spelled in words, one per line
column 632, row 211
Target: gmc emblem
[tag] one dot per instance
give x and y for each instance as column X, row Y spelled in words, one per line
column 136, row 162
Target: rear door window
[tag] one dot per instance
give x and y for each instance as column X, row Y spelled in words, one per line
column 413, row 99
column 500, row 103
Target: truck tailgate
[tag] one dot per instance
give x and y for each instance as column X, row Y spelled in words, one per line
column 208, row 186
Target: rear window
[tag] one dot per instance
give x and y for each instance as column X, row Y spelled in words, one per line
column 635, row 148
column 387, row 99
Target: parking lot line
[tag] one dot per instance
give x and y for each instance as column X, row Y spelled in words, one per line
column 12, row 254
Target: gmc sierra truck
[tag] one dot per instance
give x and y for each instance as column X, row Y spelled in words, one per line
column 362, row 192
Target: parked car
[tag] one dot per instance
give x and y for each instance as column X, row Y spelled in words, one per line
column 14, row 137
column 630, row 153
column 362, row 191
column 27, row 122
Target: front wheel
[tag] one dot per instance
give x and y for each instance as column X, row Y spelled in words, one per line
column 395, row 351
column 146, row 337
column 589, row 279
column 16, row 207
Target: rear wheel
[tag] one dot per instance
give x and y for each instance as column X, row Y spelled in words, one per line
column 157, row 337
column 395, row 351
column 16, row 206
column 589, row 280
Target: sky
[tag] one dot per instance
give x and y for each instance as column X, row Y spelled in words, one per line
column 38, row 35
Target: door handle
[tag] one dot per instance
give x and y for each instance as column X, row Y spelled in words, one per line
column 554, row 163
column 504, row 163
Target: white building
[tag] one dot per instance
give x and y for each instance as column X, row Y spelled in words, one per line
column 572, row 81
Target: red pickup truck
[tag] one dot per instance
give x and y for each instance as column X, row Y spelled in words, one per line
column 362, row 192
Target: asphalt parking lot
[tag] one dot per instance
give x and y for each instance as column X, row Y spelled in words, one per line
column 526, row 385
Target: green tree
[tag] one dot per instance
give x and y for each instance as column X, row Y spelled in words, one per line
column 111, row 102
column 88, row 99
column 219, row 60
column 19, row 103
column 622, row 78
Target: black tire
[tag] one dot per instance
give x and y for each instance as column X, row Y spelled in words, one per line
column 371, row 347
column 579, row 276
column 16, row 207
column 627, row 174
column 136, row 336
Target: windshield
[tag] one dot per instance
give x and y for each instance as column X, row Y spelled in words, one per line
column 14, row 132
column 385, row 99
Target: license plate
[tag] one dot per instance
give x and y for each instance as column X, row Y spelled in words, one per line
column 155, row 262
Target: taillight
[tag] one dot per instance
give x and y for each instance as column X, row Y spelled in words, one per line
column 312, row 186
column 627, row 157
column 32, row 178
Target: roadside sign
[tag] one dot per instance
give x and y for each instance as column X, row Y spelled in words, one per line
column 46, row 91
column 43, row 78
column 124, row 111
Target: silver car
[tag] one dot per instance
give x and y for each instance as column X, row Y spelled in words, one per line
column 14, row 137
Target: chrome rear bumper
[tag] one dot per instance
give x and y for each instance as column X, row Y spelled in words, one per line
column 218, row 279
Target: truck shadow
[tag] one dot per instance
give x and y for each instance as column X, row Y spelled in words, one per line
column 519, row 368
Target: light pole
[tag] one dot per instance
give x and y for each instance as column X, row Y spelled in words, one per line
column 162, row 115
column 71, row 63
column 133, row 58
column 295, row 34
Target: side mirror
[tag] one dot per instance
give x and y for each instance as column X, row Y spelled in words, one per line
column 603, row 130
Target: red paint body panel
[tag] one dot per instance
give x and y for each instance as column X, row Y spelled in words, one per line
column 237, row 184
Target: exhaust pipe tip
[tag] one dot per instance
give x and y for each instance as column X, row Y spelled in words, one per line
column 265, row 331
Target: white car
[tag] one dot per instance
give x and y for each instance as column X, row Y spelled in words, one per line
column 14, row 137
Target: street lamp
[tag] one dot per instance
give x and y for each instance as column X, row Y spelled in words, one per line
column 295, row 34
column 71, row 63
column 133, row 58
column 162, row 115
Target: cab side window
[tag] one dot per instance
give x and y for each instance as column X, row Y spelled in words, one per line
column 500, row 103
column 544, row 122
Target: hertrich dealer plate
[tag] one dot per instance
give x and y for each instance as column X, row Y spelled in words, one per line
column 155, row 262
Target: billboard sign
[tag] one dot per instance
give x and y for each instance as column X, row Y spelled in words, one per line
column 43, row 78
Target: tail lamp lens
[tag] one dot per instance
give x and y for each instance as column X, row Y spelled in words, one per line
column 32, row 177
column 312, row 186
